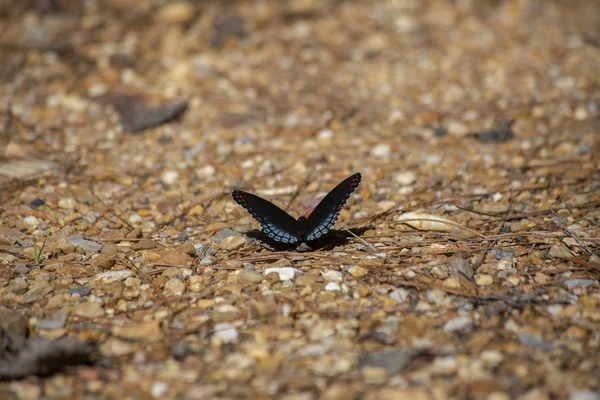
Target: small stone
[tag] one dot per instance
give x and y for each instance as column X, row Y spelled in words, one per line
column 491, row 358
column 21, row 269
column 144, row 244
column 436, row 296
column 175, row 257
column 233, row 243
column 332, row 287
column 401, row 295
column 143, row 331
column 67, row 203
column 56, row 320
column 87, row 246
column 513, row 280
column 285, row 273
column 116, row 347
column 535, row 340
column 106, row 278
column 540, row 277
column 225, row 233
column 82, row 291
column 205, row 172
column 444, row 365
column 585, row 394
column 582, row 283
column 560, row 251
column 169, row 177
column 89, row 310
column 196, row 210
column 405, row 178
column 381, row 150
column 31, row 221
column 452, row 282
column 484, row 280
column 176, row 12
column 158, row 389
column 357, row 271
column 174, row 287
column 332, row 276
column 225, row 332
column 248, row 276
column 462, row 323
column 103, row 262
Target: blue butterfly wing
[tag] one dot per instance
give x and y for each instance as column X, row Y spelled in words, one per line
column 275, row 222
column 323, row 217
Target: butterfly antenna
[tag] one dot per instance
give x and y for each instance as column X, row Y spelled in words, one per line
column 289, row 207
column 363, row 241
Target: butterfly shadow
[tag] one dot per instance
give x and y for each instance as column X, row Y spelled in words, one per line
column 329, row 241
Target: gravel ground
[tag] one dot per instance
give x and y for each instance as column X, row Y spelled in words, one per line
column 465, row 266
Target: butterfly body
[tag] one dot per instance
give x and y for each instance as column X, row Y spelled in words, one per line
column 282, row 227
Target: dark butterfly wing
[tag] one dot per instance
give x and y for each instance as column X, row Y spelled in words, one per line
column 323, row 217
column 276, row 223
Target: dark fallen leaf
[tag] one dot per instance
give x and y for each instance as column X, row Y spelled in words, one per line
column 21, row 356
column 500, row 134
column 136, row 116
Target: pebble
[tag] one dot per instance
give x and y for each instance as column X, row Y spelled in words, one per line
column 332, row 276
column 513, row 280
column 82, row 291
column 205, row 172
column 491, row 358
column 158, row 389
column 176, row 12
column 142, row 331
column 21, row 269
column 87, row 246
column 400, row 295
column 333, row 287
column 357, row 271
column 105, row 278
column 103, row 262
column 174, row 287
column 31, row 221
column 225, row 233
column 225, row 332
column 233, row 243
column 249, row 276
column 67, row 203
column 285, row 273
column 582, row 283
column 436, row 296
column 88, row 310
column 382, row 150
column 535, row 340
column 144, row 244
column 586, row 394
column 444, row 365
column 462, row 323
column 56, row 320
column 540, row 277
column 484, row 280
column 405, row 178
column 169, row 177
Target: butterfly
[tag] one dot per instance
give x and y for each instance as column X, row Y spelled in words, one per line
column 282, row 227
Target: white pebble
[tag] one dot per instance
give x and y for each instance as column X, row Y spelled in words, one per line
column 459, row 324
column 205, row 172
column 405, row 178
column 170, row 177
column 31, row 221
column 332, row 276
column 158, row 389
column 382, row 150
column 400, row 295
column 332, row 287
column 226, row 332
column 285, row 273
